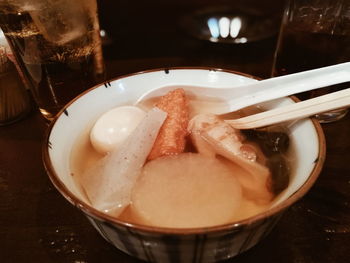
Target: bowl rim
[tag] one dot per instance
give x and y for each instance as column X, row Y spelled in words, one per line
column 92, row 212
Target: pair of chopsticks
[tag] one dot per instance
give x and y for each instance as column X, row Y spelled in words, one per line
column 300, row 110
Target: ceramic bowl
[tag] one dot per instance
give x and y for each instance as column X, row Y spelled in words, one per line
column 154, row 244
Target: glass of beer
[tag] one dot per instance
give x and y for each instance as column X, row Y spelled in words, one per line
column 313, row 34
column 14, row 98
column 57, row 47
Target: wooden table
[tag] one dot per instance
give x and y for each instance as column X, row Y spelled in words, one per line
column 38, row 225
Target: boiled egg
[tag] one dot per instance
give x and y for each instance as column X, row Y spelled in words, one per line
column 114, row 126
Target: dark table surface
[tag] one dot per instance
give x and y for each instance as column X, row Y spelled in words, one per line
column 38, row 225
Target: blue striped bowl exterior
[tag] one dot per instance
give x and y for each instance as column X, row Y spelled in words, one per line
column 202, row 247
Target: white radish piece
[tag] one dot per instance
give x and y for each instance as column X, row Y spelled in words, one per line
column 116, row 174
column 184, row 191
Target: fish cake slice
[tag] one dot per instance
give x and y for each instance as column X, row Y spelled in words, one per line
column 171, row 137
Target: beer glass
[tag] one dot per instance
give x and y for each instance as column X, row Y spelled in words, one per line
column 313, row 34
column 14, row 98
column 57, row 46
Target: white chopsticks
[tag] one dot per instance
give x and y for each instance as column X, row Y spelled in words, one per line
column 303, row 109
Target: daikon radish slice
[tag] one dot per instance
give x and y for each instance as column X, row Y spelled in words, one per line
column 184, row 191
column 114, row 176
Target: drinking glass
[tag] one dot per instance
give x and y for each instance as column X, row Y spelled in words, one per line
column 313, row 34
column 57, row 46
column 14, row 98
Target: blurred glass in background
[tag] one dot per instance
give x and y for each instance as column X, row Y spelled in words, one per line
column 314, row 34
column 57, row 46
column 14, row 98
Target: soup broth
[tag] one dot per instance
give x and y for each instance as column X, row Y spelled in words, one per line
column 273, row 152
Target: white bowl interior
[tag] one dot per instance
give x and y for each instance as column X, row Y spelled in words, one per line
column 83, row 112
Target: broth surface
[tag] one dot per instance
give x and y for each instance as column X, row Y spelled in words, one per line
column 274, row 154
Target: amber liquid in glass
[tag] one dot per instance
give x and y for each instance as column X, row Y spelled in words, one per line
column 299, row 51
column 56, row 71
